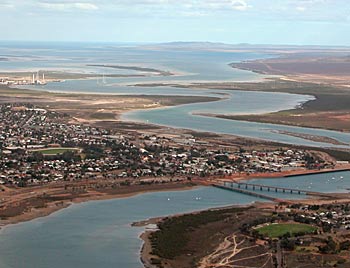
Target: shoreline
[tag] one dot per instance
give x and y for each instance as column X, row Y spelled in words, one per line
column 145, row 254
column 313, row 103
column 95, row 196
column 246, row 118
column 255, row 139
column 125, row 116
column 103, row 94
column 62, row 74
column 57, row 206
column 53, row 207
column 287, row 174
column 146, row 248
column 255, row 119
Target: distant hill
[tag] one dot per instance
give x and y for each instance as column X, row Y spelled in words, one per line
column 278, row 50
column 225, row 46
column 191, row 45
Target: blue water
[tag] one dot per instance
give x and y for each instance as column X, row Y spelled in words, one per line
column 338, row 182
column 190, row 65
column 193, row 65
column 240, row 102
column 98, row 233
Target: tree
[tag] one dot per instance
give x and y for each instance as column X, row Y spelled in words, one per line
column 288, row 244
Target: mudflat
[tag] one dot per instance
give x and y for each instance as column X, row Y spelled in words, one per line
column 92, row 108
column 329, row 110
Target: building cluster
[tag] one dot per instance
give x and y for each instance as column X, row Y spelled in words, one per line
column 40, row 146
column 35, row 79
column 330, row 217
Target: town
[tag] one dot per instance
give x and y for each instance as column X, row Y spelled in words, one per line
column 41, row 146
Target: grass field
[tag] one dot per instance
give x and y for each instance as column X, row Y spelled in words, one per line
column 55, row 151
column 278, row 230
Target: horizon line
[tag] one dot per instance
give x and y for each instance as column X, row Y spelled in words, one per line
column 174, row 42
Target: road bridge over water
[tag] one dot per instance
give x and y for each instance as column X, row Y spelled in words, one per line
column 269, row 188
column 256, row 189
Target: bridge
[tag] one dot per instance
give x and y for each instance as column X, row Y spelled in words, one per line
column 270, row 188
column 251, row 189
column 242, row 191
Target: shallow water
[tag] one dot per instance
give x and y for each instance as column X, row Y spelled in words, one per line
column 98, row 233
column 192, row 66
column 233, row 102
column 240, row 102
column 338, row 182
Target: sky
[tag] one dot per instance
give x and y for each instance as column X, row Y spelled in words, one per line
column 297, row 22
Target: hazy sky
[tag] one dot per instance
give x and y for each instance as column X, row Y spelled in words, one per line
column 231, row 21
